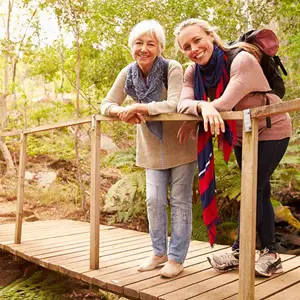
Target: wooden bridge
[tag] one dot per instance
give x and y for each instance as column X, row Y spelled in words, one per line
column 75, row 248
column 63, row 246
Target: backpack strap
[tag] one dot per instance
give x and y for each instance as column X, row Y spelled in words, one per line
column 165, row 73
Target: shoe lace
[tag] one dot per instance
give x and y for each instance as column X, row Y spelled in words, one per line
column 227, row 257
column 264, row 260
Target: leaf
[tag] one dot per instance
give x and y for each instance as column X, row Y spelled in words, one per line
column 284, row 213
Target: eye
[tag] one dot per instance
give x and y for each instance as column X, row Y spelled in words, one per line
column 198, row 40
column 186, row 48
column 151, row 44
column 138, row 43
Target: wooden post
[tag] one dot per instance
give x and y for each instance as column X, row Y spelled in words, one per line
column 20, row 189
column 248, row 212
column 95, row 194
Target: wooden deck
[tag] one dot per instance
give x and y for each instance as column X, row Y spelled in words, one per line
column 63, row 246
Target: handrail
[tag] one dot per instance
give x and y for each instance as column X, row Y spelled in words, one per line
column 257, row 112
column 248, row 186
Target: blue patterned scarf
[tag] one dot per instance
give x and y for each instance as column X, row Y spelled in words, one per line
column 143, row 92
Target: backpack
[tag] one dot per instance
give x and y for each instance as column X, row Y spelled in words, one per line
column 267, row 42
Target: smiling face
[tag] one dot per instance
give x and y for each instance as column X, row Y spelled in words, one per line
column 196, row 44
column 145, row 49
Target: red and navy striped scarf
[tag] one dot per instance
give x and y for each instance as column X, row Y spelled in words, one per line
column 213, row 75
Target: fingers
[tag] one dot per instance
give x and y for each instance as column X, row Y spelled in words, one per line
column 134, row 120
column 141, row 118
column 205, row 123
column 222, row 124
column 185, row 130
column 215, row 123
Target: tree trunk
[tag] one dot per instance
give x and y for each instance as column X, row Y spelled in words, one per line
column 79, row 171
column 3, row 147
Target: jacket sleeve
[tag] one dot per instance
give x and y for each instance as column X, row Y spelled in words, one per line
column 187, row 103
column 246, row 76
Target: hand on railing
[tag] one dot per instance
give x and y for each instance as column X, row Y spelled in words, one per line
column 128, row 114
column 187, row 129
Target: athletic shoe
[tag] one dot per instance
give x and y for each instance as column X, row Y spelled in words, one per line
column 225, row 262
column 268, row 264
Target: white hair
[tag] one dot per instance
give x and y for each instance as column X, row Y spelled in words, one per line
column 148, row 26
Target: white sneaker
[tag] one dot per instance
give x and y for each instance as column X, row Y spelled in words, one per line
column 268, row 264
column 152, row 262
column 171, row 269
column 225, row 262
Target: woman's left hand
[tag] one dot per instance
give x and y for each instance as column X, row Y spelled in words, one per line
column 127, row 113
column 187, row 129
column 212, row 117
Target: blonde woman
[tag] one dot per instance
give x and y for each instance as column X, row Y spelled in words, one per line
column 239, row 86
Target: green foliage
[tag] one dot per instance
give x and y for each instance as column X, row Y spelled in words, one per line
column 56, row 193
column 38, row 286
column 57, row 144
column 123, row 160
column 228, row 176
column 199, row 229
column 287, row 173
column 121, row 133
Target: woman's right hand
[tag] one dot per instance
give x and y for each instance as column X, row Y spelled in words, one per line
column 211, row 116
column 136, row 119
column 126, row 114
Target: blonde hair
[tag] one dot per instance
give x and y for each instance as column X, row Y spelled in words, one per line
column 148, row 26
column 204, row 25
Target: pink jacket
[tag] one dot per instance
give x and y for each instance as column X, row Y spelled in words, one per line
column 246, row 77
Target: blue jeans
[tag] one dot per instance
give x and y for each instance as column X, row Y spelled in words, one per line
column 181, row 181
column 269, row 155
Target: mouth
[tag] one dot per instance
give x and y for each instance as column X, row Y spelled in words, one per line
column 143, row 56
column 199, row 55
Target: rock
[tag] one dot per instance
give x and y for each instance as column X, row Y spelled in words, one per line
column 29, row 175
column 8, row 277
column 45, row 179
column 27, row 213
column 107, row 144
column 42, row 99
column 31, row 219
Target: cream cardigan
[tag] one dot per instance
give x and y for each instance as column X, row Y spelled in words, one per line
column 150, row 152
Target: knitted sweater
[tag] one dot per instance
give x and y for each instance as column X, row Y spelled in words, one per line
column 151, row 153
column 246, row 77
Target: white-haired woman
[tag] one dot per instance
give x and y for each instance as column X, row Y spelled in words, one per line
column 158, row 150
column 240, row 86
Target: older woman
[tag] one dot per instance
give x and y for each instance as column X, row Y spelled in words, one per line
column 241, row 86
column 158, row 149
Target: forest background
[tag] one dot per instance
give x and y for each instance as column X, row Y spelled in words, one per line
column 59, row 59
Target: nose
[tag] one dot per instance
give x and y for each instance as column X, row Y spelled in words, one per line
column 144, row 48
column 194, row 48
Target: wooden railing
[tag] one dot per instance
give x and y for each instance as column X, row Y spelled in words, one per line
column 248, row 186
